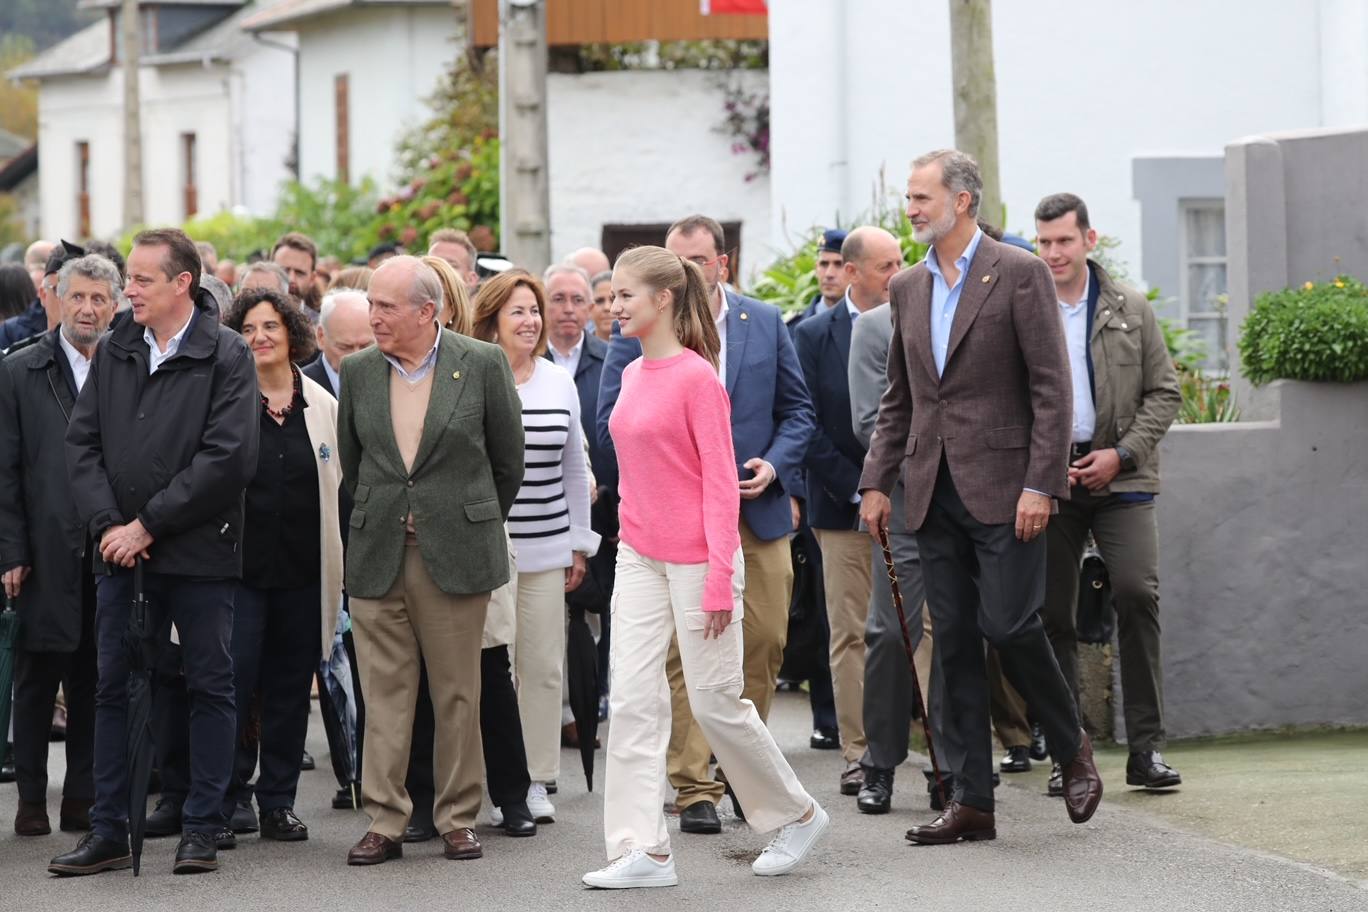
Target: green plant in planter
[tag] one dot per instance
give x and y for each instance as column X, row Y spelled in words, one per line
column 1205, row 400
column 1318, row 332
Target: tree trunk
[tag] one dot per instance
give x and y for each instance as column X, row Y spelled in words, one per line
column 975, row 93
column 133, row 193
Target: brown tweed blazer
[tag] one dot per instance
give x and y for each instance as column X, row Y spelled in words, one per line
column 1002, row 411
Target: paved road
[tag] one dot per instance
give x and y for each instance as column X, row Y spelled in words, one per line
column 1122, row 860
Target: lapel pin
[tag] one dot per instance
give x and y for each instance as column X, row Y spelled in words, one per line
column 323, row 452
column 456, row 375
column 745, row 316
column 987, row 279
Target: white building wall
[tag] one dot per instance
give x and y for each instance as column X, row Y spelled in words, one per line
column 182, row 99
column 263, row 119
column 1082, row 89
column 640, row 148
column 394, row 57
column 71, row 110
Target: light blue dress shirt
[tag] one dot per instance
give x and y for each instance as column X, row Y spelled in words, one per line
column 155, row 356
column 945, row 299
column 424, row 367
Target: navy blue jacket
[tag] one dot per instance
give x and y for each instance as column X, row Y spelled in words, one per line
column 21, row 326
column 771, row 414
column 588, row 377
column 834, row 456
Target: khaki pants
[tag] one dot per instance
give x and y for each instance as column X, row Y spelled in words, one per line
column 539, row 666
column 652, row 601
column 764, row 627
column 846, row 572
column 415, row 618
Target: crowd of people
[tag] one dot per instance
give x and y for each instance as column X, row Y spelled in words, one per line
column 406, row 473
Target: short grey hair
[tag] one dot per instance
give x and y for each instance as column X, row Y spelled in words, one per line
column 330, row 301
column 94, row 267
column 425, row 285
column 268, row 267
column 959, row 174
column 556, row 269
column 605, row 276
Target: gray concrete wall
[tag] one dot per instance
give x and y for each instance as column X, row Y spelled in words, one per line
column 1295, row 212
column 1160, row 183
column 1264, row 566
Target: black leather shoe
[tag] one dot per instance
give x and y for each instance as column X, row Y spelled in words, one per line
column 1016, row 760
column 1056, row 787
column 225, row 839
column 735, row 803
column 700, row 817
column 306, row 762
column 165, row 819
column 7, row 764
column 1148, row 769
column 343, row 801
column 282, row 825
column 824, row 740
column 196, row 854
column 517, row 820
column 419, row 833
column 92, row 855
column 244, row 819
column 877, row 795
column 1039, row 750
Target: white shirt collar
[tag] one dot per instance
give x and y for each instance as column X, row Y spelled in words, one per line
column 572, row 354
column 850, row 306
column 1074, row 307
column 424, row 367
column 155, row 356
column 333, row 376
column 80, row 364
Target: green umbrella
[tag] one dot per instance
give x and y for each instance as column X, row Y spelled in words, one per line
column 9, row 633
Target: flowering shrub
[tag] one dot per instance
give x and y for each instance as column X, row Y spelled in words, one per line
column 454, row 188
column 747, row 121
column 1317, row 332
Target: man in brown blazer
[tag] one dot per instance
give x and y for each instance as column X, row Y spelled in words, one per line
column 977, row 419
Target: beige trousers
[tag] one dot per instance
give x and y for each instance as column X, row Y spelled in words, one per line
column 846, row 570
column 652, row 601
column 539, row 666
column 767, row 591
column 414, row 619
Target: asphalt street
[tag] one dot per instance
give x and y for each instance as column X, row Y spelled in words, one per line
column 1121, row 860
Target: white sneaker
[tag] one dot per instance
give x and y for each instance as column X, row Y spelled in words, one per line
column 543, row 811
column 635, row 869
column 495, row 816
column 791, row 845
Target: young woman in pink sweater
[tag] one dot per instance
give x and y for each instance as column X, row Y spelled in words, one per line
column 679, row 572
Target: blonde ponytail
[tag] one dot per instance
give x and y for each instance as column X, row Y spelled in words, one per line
column 690, row 311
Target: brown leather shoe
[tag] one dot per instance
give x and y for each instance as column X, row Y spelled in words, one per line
column 852, row 780
column 32, row 819
column 374, row 849
column 1082, row 782
column 75, row 815
column 956, row 822
column 461, row 845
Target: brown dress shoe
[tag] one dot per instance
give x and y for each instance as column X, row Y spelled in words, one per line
column 462, row 845
column 32, row 819
column 75, row 816
column 956, row 822
column 852, row 780
column 1082, row 783
column 374, row 849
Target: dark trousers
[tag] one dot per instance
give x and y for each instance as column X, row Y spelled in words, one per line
column 981, row 582
column 275, row 655
column 505, row 756
column 36, row 678
column 202, row 611
column 171, row 726
column 821, row 694
column 1127, row 534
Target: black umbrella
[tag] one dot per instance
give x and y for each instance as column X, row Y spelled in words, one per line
column 581, row 667
column 337, row 704
column 141, row 644
column 9, row 633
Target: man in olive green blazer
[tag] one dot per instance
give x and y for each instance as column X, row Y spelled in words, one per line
column 431, row 443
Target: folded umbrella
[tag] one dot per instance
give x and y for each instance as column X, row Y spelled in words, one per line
column 9, row 634
column 337, row 704
column 582, row 672
column 140, row 641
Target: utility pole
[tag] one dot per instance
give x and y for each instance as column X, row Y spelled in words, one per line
column 975, row 94
column 524, row 187
column 133, row 193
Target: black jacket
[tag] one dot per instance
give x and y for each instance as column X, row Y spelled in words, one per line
column 39, row 526
column 175, row 449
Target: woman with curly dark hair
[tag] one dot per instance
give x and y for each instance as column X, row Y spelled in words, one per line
column 291, row 559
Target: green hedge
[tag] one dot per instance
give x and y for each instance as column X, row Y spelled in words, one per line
column 1317, row 332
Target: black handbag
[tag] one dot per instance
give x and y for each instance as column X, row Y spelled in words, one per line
column 1096, row 616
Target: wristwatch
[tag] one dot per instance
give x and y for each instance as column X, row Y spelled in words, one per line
column 1127, row 458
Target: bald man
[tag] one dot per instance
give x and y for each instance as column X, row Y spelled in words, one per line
column 35, row 258
column 343, row 329
column 834, row 459
column 590, row 259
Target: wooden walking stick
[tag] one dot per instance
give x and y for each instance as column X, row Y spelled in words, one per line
column 912, row 664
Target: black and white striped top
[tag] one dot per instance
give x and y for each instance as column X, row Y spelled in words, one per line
column 550, row 518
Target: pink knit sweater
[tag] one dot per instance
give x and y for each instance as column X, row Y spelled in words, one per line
column 671, row 428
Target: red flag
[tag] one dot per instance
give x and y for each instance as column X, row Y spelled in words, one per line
column 733, row 7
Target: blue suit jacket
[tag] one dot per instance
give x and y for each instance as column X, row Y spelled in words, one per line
column 588, row 375
column 834, row 456
column 771, row 414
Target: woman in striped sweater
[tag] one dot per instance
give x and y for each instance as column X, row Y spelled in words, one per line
column 549, row 522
